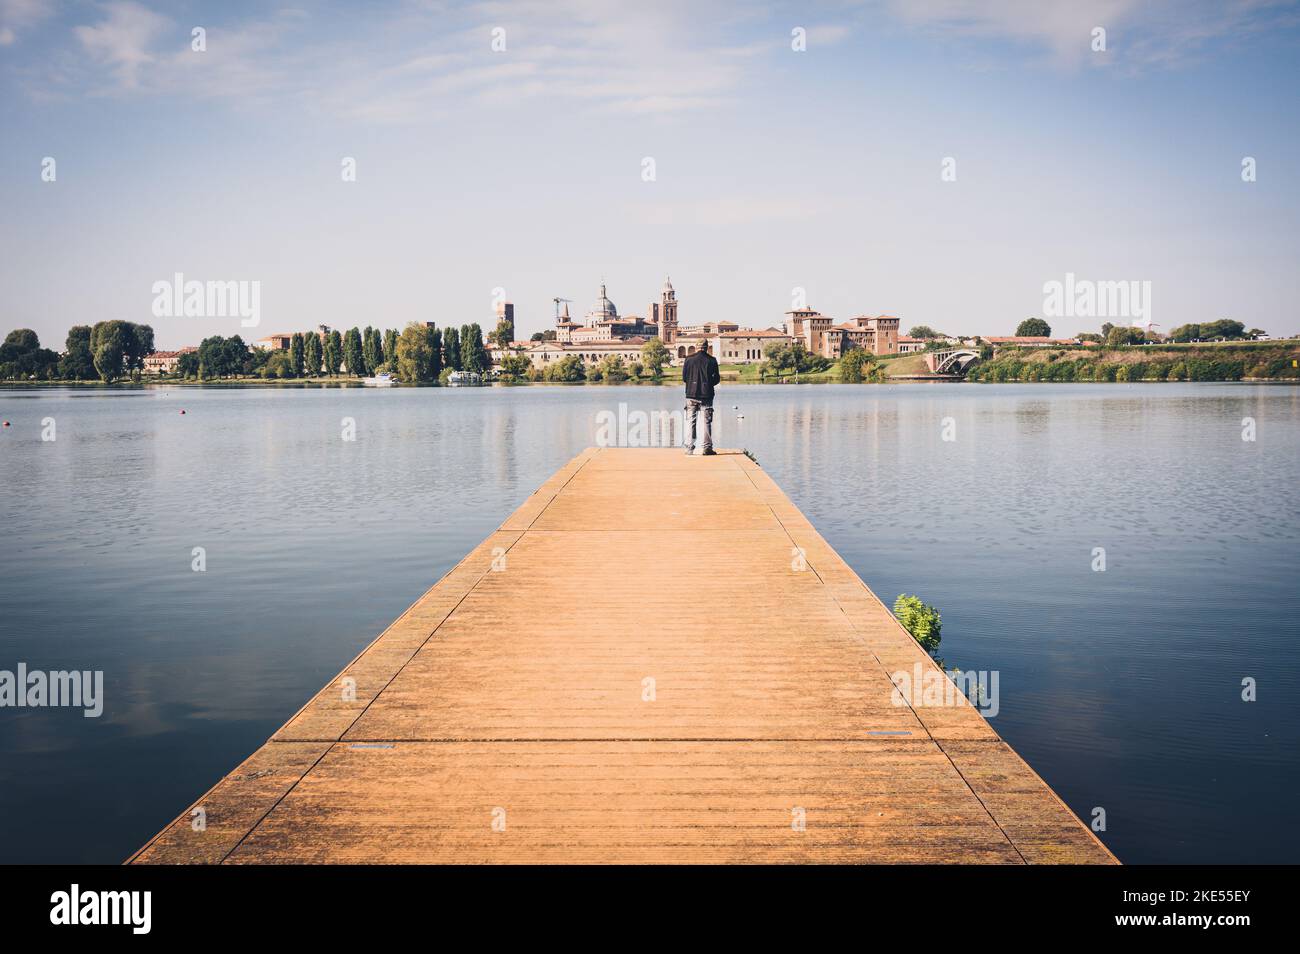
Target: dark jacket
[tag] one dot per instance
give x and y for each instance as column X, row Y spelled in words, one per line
column 700, row 372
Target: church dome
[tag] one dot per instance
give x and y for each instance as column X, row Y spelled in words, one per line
column 604, row 309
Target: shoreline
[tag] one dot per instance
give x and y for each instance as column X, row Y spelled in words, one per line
column 347, row 385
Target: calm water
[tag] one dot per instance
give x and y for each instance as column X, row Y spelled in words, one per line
column 1122, row 688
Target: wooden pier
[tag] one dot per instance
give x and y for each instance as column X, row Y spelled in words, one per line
column 656, row 658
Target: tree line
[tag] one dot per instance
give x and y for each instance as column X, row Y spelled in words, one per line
column 112, row 350
column 1216, row 363
column 105, row 351
column 419, row 354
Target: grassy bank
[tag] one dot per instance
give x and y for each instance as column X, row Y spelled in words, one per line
column 904, row 365
column 1253, row 361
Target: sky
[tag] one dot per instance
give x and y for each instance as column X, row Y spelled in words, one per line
column 798, row 151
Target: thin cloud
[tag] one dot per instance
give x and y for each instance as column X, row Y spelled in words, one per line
column 122, row 42
column 1140, row 33
column 19, row 16
column 659, row 59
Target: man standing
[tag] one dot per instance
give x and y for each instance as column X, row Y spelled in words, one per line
column 700, row 374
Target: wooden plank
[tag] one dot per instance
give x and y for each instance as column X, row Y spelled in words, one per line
column 655, row 659
column 639, row 801
column 232, row 807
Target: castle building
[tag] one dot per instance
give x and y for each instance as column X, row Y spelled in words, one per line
column 878, row 335
column 604, row 331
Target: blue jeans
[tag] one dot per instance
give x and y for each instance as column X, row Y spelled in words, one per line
column 692, row 414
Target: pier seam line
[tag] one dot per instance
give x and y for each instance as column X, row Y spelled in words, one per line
column 853, row 627
column 339, row 741
column 398, row 671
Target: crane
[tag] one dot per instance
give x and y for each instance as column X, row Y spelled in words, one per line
column 557, row 305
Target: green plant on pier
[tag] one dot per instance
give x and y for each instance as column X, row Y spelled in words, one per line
column 920, row 619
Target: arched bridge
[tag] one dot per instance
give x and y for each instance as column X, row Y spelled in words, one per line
column 952, row 361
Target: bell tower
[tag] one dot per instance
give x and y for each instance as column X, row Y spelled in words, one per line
column 668, row 314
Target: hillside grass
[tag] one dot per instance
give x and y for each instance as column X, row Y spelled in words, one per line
column 1256, row 360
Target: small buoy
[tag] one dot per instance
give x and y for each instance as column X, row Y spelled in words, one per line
column 182, row 410
column 6, row 423
column 740, row 417
column 735, row 407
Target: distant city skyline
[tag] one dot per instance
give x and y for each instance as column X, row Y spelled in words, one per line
column 939, row 160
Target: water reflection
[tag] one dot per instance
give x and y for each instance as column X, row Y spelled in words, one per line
column 1122, row 688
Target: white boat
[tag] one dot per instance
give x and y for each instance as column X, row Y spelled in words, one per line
column 464, row 379
column 381, row 380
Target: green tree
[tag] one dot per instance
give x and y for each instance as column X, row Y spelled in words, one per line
column 368, row 349
column 857, row 365
column 353, row 353
column 568, row 369
column 1224, row 328
column 19, row 341
column 417, row 357
column 785, row 359
column 78, row 363
column 474, row 356
column 451, row 349
column 237, row 355
column 1121, row 335
column 390, row 348
column 21, row 356
column 212, row 357
column 108, row 361
column 1033, row 328
column 515, row 367
column 919, row 619
column 924, row 331
column 127, row 344
column 311, row 354
column 333, row 352
column 612, row 368
column 187, row 365
column 504, row 334
column 279, row 364
column 654, row 356
column 297, row 358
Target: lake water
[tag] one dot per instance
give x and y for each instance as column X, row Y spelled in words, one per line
column 1122, row 688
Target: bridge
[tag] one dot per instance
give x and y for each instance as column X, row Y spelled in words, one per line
column 951, row 361
column 730, row 698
